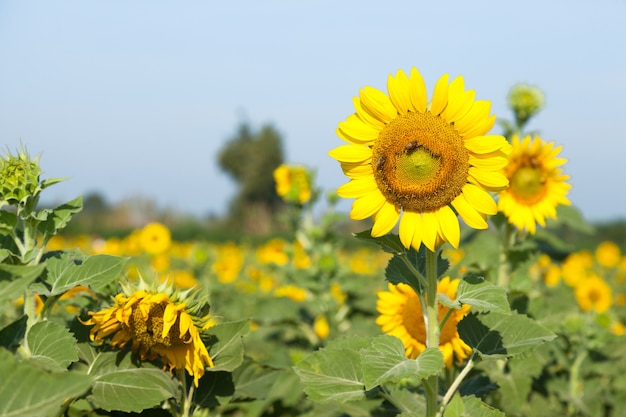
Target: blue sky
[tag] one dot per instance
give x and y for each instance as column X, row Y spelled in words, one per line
column 137, row 97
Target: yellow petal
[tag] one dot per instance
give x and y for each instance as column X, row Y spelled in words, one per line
column 480, row 199
column 459, row 100
column 185, row 323
column 418, row 93
column 493, row 161
column 355, row 130
column 476, row 119
column 365, row 116
column 470, row 216
column 357, row 188
column 351, row 153
column 440, row 96
column 366, row 206
column 169, row 318
column 493, row 181
column 356, row 170
column 485, row 144
column 385, row 219
column 377, row 103
column 398, row 88
column 430, row 230
column 408, row 225
column 449, row 225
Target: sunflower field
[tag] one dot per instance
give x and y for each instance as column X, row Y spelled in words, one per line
column 458, row 297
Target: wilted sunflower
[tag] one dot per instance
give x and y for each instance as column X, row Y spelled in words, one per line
column 163, row 323
column 420, row 163
column 401, row 316
column 537, row 184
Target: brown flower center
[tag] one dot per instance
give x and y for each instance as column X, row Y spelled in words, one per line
column 528, row 183
column 420, row 162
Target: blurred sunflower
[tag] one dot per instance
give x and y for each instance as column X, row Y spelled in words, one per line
column 293, row 183
column 161, row 323
column 537, row 184
column 155, row 238
column 401, row 316
column 593, row 293
column 608, row 254
column 419, row 163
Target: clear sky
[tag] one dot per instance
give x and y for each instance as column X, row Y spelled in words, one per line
column 137, row 97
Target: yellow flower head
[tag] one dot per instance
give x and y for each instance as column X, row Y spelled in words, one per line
column 157, row 324
column 229, row 262
column 273, row 252
column 537, row 184
column 576, row 267
column 401, row 316
column 608, row 254
column 420, row 164
column 155, row 238
column 293, row 183
column 293, row 292
column 593, row 293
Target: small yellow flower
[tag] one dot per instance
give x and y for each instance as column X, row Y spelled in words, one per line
column 576, row 267
column 293, row 183
column 273, row 252
column 608, row 254
column 537, row 184
column 617, row 328
column 321, row 327
column 157, row 324
column 593, row 293
column 297, row 294
column 337, row 293
column 229, row 262
column 401, row 316
column 155, row 238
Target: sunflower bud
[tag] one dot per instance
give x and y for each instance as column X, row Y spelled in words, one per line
column 19, row 178
column 525, row 101
column 293, row 183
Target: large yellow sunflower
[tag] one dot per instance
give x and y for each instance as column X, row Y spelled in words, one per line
column 537, row 183
column 421, row 163
column 401, row 316
column 158, row 325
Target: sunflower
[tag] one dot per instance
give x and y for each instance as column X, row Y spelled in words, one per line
column 161, row 324
column 593, row 293
column 293, row 183
column 155, row 238
column 401, row 316
column 420, row 164
column 537, row 183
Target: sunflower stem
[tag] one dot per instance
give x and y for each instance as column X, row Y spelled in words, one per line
column 432, row 326
column 504, row 267
column 455, row 384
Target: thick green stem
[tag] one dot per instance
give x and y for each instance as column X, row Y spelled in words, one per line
column 575, row 385
column 432, row 329
column 504, row 267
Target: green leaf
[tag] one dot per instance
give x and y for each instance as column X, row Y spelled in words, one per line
column 27, row 390
column 334, row 373
column 389, row 243
column 474, row 407
column 384, row 360
column 52, row 346
column 12, row 335
column 253, row 381
column 57, row 218
column 483, row 296
column 8, row 222
column 120, row 384
column 497, row 336
column 14, row 279
column 225, row 345
column 214, row 388
column 398, row 271
column 95, row 271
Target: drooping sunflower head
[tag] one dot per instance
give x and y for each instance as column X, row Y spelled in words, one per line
column 537, row 184
column 421, row 163
column 159, row 323
column 401, row 315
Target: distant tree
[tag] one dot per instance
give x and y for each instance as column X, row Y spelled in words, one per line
column 250, row 159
